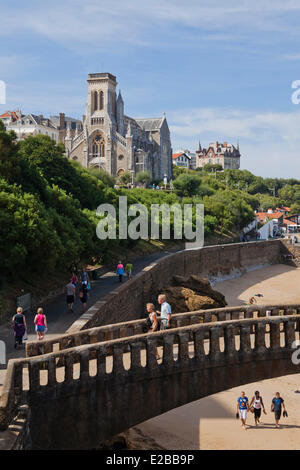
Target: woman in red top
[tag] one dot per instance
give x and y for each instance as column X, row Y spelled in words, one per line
column 40, row 322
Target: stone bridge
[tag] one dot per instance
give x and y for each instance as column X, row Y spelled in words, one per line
column 87, row 392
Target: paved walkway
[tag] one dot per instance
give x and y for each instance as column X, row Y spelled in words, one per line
column 59, row 319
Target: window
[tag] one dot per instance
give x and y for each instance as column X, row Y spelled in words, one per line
column 95, row 101
column 101, row 100
column 98, row 146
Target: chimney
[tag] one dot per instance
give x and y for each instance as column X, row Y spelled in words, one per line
column 41, row 117
column 61, row 121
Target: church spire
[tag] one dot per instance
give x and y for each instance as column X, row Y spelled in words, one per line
column 120, row 97
column 199, row 147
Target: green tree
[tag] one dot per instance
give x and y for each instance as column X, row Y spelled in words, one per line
column 143, row 177
column 187, row 185
column 126, row 177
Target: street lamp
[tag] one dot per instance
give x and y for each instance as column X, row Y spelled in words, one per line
column 165, row 181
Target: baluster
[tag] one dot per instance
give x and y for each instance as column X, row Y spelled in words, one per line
column 135, row 351
column 93, row 337
column 151, row 353
column 199, row 344
column 221, row 316
column 260, row 332
column 229, row 339
column 183, row 353
column 214, row 341
column 275, row 312
column 84, row 364
column 275, row 334
column 245, row 344
column 51, row 371
column 168, row 340
column 207, row 318
column 117, row 359
column 235, row 315
column 34, row 375
column 101, row 360
column 289, row 333
column 68, row 368
column 248, row 313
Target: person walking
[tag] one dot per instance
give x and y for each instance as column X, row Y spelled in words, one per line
column 40, row 322
column 70, row 290
column 152, row 317
column 242, row 406
column 19, row 326
column 165, row 313
column 120, row 271
column 74, row 280
column 85, row 277
column 276, row 406
column 152, row 322
column 128, row 269
column 257, row 404
column 83, row 295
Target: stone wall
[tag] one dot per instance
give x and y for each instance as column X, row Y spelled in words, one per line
column 128, row 301
column 197, row 361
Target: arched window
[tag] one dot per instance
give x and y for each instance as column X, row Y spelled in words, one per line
column 95, row 101
column 101, row 100
column 98, row 146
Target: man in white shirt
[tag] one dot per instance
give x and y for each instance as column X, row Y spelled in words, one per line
column 165, row 313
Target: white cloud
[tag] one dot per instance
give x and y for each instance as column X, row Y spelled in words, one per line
column 269, row 141
column 93, row 22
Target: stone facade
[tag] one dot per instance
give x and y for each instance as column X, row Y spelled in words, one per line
column 218, row 153
column 116, row 142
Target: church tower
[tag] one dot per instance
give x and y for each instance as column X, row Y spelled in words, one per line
column 101, row 119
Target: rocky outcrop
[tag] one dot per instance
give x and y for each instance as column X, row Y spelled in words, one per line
column 187, row 294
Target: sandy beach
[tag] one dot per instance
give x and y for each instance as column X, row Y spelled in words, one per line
column 210, row 423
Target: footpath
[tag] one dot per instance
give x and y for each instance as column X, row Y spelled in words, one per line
column 58, row 318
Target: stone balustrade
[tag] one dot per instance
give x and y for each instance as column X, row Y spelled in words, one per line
column 135, row 327
column 104, row 377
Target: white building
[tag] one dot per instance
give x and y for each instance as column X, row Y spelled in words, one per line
column 182, row 159
column 33, row 125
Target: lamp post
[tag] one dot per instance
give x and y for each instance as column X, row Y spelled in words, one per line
column 165, row 181
column 132, row 173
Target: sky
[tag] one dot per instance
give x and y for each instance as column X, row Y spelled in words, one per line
column 219, row 70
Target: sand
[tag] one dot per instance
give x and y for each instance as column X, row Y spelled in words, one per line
column 210, row 423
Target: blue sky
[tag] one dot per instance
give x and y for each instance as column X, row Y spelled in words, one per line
column 219, row 70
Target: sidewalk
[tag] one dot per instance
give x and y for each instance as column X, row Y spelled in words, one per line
column 58, row 319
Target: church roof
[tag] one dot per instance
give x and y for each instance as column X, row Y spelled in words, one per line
column 150, row 124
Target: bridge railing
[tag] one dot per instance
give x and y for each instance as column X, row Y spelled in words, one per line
column 200, row 345
column 136, row 327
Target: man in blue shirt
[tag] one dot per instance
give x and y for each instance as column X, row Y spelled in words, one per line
column 165, row 312
column 276, row 406
column 242, row 406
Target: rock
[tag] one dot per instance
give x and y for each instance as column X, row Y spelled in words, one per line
column 201, row 286
column 193, row 293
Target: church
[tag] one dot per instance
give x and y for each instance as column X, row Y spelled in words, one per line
column 115, row 142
